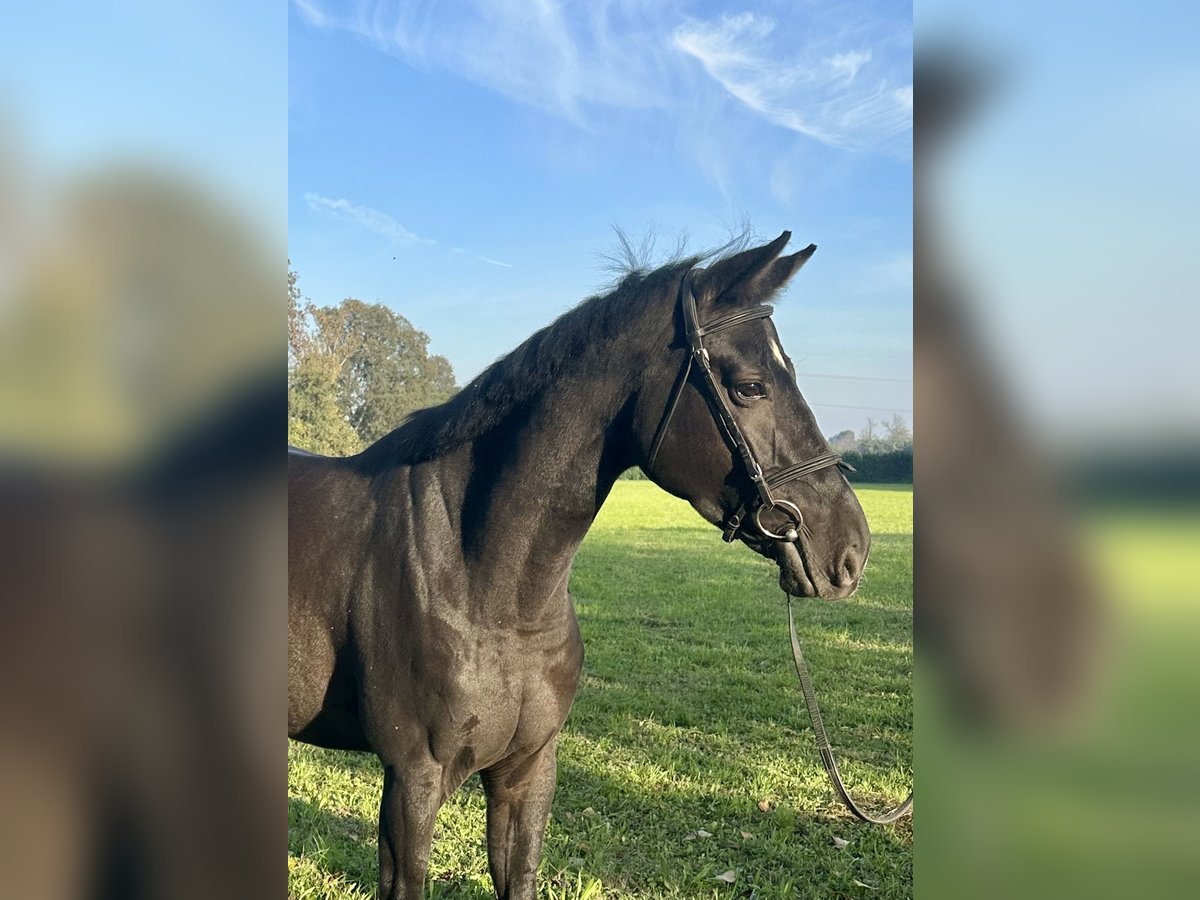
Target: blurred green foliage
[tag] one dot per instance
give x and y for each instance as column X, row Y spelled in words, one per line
column 355, row 371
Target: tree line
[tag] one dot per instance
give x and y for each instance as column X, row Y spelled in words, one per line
column 882, row 453
column 355, row 371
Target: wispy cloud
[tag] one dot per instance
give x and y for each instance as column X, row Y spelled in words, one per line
column 837, row 74
column 813, row 92
column 541, row 53
column 311, row 12
column 382, row 224
column 848, row 64
column 371, row 219
column 495, row 262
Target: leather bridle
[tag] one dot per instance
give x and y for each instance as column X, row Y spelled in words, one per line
column 765, row 483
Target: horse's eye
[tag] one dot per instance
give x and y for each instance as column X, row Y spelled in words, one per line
column 751, row 390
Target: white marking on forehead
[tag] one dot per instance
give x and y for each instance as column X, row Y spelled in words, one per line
column 778, row 351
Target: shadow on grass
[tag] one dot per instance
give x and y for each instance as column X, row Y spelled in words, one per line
column 636, row 840
column 455, row 887
column 643, row 841
column 344, row 845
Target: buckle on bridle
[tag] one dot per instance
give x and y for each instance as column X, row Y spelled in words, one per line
column 732, row 526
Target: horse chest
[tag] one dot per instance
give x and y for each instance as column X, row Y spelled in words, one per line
column 506, row 694
column 467, row 685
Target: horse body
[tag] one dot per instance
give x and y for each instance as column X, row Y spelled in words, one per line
column 429, row 618
column 426, row 628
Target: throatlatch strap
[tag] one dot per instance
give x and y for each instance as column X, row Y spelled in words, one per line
column 672, row 402
column 823, row 746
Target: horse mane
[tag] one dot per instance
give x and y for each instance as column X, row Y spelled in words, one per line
column 528, row 371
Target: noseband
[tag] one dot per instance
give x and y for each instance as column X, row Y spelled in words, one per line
column 764, row 483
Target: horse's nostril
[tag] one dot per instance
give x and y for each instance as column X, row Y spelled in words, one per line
column 849, row 568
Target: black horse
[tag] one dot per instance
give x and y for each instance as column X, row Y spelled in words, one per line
column 429, row 620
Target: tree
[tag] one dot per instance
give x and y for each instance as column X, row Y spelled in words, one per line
column 882, row 453
column 870, row 442
column 316, row 354
column 897, row 434
column 315, row 421
column 296, row 331
column 388, row 371
column 843, row 441
column 355, row 371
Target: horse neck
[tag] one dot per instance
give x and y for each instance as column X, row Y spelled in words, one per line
column 542, row 476
column 539, row 486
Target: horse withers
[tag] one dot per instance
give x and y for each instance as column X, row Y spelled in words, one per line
column 429, row 620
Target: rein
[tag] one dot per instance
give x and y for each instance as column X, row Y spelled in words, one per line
column 763, row 501
column 823, row 745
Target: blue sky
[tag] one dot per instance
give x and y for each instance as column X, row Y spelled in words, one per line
column 194, row 87
column 466, row 163
column 1068, row 202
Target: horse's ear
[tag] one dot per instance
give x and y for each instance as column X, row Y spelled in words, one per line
column 781, row 271
column 743, row 277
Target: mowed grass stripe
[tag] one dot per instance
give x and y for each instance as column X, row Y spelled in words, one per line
column 688, row 717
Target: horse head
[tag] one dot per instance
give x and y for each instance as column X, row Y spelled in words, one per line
column 722, row 424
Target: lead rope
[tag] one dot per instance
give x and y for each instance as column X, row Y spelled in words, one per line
column 826, row 751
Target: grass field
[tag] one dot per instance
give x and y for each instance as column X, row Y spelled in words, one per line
column 687, row 754
column 1104, row 803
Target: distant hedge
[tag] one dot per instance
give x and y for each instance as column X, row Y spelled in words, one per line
column 891, row 465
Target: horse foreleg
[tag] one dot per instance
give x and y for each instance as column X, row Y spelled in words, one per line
column 519, row 793
column 411, row 799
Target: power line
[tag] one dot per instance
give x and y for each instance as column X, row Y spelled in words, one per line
column 852, row 377
column 866, row 408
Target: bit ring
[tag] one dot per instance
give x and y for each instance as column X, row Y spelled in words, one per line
column 791, row 535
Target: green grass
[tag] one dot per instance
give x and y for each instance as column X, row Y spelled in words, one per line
column 1103, row 804
column 688, row 719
